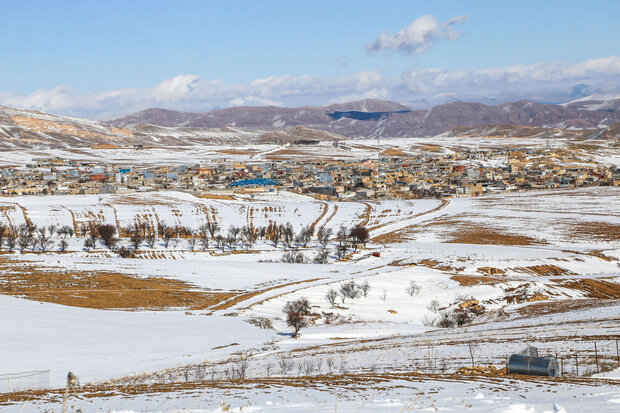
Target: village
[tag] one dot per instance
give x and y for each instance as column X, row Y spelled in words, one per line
column 393, row 174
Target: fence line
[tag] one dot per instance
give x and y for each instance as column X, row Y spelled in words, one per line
column 27, row 380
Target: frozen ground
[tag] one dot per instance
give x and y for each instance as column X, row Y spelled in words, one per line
column 385, row 356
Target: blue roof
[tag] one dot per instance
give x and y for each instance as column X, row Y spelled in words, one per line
column 259, row 182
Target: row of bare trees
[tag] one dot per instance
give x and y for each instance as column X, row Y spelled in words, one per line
column 27, row 236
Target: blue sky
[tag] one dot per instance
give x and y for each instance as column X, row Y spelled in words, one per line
column 102, row 58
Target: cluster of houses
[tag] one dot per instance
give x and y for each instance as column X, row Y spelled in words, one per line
column 459, row 173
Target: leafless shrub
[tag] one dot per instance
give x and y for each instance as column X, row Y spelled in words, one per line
column 365, row 288
column 434, row 306
column 294, row 257
column 383, row 295
column 125, row 252
column 413, row 288
column 344, row 368
column 261, row 322
column 446, row 320
column 348, row 290
column 321, row 257
column 429, row 321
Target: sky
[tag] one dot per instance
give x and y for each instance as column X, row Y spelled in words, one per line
column 100, row 59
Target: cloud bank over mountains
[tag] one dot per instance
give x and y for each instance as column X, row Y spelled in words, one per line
column 555, row 82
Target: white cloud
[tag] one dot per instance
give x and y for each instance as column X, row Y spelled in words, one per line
column 417, row 36
column 545, row 82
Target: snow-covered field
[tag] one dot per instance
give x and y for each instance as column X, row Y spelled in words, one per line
column 542, row 265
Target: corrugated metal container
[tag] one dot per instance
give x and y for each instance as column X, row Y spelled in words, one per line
column 535, row 366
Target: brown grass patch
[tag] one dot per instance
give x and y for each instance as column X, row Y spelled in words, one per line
column 472, row 233
column 470, row 280
column 547, row 270
column 218, row 196
column 238, row 151
column 104, row 290
column 562, row 306
column 395, row 153
column 602, row 231
column 594, row 288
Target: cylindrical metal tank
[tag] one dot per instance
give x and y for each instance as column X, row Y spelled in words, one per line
column 536, row 366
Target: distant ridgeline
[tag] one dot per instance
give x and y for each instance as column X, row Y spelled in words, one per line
column 355, row 114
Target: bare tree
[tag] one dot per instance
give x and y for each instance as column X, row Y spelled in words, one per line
column 288, row 235
column 136, row 236
column 268, row 368
column 150, row 240
column 342, row 235
column 241, row 366
column 107, row 233
column 472, row 349
column 323, row 236
column 359, row 235
column 330, row 364
column 43, row 239
column 3, row 231
column 220, row 242
column 191, row 243
column 11, row 240
column 341, row 251
column 89, row 243
column 295, row 312
column 212, row 228
column 286, row 365
column 305, row 235
column 25, row 238
column 167, row 235
column 233, row 233
column 62, row 245
column 331, row 297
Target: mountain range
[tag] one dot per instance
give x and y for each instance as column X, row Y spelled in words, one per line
column 21, row 128
column 378, row 118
